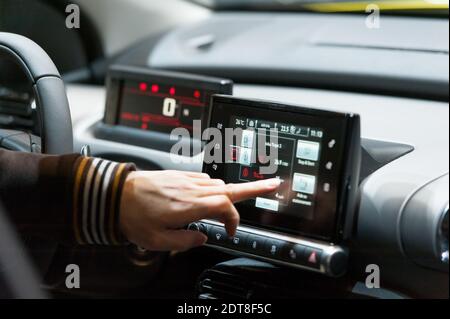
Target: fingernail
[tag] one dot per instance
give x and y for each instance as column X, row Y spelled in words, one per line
column 273, row 183
column 230, row 232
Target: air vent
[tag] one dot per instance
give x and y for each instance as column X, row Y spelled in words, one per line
column 424, row 225
column 17, row 111
column 219, row 285
column 443, row 236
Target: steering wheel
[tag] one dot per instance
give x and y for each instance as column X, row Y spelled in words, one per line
column 56, row 138
column 50, row 95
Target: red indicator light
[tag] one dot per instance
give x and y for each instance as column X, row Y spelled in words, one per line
column 172, row 91
column 143, row 87
column 258, row 176
column 313, row 258
column 144, row 126
column 197, row 94
column 234, row 154
column 155, row 88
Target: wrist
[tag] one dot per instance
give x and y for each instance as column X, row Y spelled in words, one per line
column 98, row 187
column 126, row 202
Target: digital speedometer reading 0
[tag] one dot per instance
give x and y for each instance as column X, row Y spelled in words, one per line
column 161, row 107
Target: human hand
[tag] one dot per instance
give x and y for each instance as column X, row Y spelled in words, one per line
column 155, row 206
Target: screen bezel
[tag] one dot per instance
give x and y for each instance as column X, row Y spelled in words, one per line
column 332, row 216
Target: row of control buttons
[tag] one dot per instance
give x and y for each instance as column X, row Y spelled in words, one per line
column 262, row 246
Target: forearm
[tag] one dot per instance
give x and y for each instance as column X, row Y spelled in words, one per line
column 69, row 198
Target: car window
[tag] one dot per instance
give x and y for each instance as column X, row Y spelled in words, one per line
column 403, row 6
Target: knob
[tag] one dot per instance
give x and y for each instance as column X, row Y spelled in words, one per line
column 337, row 263
column 199, row 227
column 194, row 227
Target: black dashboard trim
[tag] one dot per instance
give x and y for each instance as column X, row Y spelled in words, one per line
column 348, row 82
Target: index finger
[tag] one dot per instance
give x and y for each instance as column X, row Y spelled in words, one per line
column 242, row 192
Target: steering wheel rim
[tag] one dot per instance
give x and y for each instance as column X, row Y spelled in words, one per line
column 56, row 138
column 51, row 100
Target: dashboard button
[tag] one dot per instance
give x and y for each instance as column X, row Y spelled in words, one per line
column 313, row 257
column 304, row 183
column 293, row 253
column 238, row 241
column 332, row 144
column 194, row 227
column 268, row 204
column 218, row 236
column 273, row 248
column 255, row 244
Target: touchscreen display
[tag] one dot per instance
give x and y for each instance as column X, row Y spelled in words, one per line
column 297, row 162
column 306, row 149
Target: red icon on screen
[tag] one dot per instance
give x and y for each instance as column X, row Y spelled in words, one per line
column 172, row 91
column 257, row 175
column 143, row 87
column 197, row 94
column 234, row 154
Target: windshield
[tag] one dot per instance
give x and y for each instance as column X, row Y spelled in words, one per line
column 421, row 6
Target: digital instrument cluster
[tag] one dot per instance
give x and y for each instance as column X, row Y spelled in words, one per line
column 145, row 105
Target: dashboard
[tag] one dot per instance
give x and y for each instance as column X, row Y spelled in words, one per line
column 357, row 121
column 401, row 203
column 382, row 195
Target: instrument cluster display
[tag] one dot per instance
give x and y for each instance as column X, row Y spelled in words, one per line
column 159, row 101
column 161, row 107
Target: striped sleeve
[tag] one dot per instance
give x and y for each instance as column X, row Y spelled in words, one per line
column 97, row 189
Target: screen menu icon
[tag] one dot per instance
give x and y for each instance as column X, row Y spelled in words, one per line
column 248, row 137
column 308, row 150
column 304, row 183
column 299, row 180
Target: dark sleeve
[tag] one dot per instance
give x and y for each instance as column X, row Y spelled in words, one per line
column 70, row 198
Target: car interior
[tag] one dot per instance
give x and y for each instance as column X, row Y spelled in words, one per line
column 352, row 98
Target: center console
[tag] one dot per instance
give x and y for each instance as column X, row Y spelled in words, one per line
column 294, row 229
column 315, row 154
